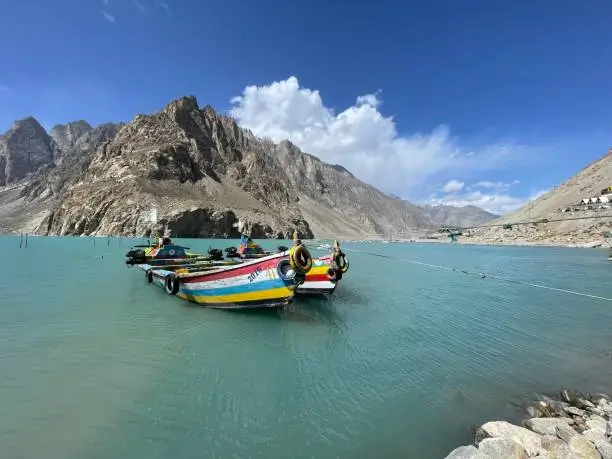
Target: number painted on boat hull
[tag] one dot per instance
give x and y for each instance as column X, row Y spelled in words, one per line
column 255, row 274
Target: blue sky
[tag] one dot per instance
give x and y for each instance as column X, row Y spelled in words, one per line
column 446, row 101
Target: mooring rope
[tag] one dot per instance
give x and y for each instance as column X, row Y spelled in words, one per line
column 481, row 275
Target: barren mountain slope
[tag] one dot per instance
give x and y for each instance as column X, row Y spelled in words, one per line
column 585, row 184
column 202, row 172
column 198, row 169
column 337, row 203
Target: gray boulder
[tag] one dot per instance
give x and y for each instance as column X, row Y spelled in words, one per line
column 502, row 448
column 546, row 426
column 565, row 433
column 604, row 448
column 597, row 423
column 555, row 447
column 530, row 441
column 574, row 411
column 466, row 452
column 582, row 448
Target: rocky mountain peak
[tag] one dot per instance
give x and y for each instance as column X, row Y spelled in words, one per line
column 66, row 136
column 202, row 172
column 21, row 122
column 24, row 148
column 78, row 127
column 26, row 127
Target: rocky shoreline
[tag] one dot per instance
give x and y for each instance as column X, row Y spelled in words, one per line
column 571, row 426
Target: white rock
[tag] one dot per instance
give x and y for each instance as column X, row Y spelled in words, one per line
column 529, row 440
column 604, row 448
column 596, row 422
column 466, row 452
column 604, row 405
column 502, row 448
column 546, row 426
column 583, row 448
column 594, row 435
column 555, row 447
column 598, row 411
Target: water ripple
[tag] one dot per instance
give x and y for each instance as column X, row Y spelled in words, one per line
column 98, row 365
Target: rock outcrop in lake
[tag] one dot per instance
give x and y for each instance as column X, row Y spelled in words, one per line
column 201, row 172
column 577, row 426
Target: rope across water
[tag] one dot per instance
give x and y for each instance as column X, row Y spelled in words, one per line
column 480, row 275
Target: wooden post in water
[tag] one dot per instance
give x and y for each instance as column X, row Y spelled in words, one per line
column 21, row 241
column 26, row 240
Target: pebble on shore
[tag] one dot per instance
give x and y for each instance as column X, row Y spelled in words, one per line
column 575, row 426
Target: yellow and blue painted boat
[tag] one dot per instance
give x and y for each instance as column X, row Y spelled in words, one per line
column 321, row 279
column 269, row 280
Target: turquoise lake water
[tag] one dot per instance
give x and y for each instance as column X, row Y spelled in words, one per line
column 95, row 363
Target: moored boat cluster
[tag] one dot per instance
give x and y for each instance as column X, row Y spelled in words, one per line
column 247, row 277
column 572, row 426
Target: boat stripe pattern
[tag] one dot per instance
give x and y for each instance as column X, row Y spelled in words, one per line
column 249, row 283
column 247, row 267
column 316, row 279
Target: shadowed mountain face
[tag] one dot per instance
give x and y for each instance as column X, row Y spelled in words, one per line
column 199, row 170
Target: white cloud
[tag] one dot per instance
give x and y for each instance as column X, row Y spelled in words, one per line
column 164, row 6
column 497, row 186
column 4, row 88
column 105, row 2
column 139, row 5
column 361, row 138
column 108, row 17
column 496, row 203
column 453, row 186
column 370, row 99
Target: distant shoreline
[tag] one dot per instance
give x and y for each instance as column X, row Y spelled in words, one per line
column 592, row 245
column 461, row 241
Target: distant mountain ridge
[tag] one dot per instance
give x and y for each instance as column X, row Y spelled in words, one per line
column 198, row 168
column 583, row 224
column 452, row 216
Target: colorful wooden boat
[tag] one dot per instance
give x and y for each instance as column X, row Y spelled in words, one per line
column 321, row 279
column 265, row 281
column 248, row 250
column 166, row 252
column 325, row 274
